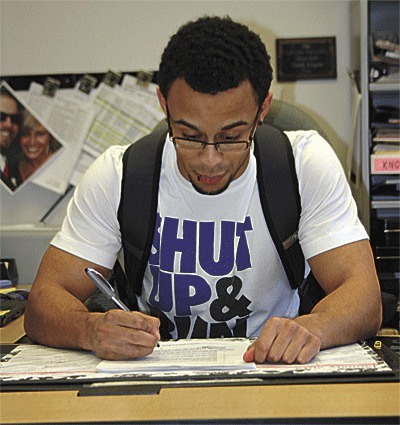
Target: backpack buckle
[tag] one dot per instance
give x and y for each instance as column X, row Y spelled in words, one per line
column 303, row 288
column 294, row 237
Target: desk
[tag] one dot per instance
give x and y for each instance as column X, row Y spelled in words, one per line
column 305, row 404
column 12, row 332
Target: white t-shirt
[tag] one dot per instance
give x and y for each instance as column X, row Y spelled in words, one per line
column 214, row 270
column 3, row 161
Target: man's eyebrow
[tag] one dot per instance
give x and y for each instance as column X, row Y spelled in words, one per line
column 235, row 124
column 186, row 124
column 226, row 127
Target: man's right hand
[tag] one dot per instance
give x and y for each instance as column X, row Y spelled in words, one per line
column 56, row 315
column 120, row 335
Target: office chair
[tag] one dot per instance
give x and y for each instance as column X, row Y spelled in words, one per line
column 290, row 117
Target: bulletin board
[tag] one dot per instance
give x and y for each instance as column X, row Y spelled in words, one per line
column 127, row 101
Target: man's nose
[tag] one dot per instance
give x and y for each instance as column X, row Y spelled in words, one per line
column 8, row 122
column 211, row 154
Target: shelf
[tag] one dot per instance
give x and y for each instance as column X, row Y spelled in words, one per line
column 384, row 87
column 380, row 171
column 376, row 125
column 385, row 204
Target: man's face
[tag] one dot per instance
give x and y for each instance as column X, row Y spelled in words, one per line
column 9, row 122
column 229, row 115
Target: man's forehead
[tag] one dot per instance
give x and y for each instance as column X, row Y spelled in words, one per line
column 8, row 103
column 236, row 100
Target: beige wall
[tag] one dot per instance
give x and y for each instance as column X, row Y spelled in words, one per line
column 39, row 37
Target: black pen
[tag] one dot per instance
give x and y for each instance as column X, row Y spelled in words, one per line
column 104, row 286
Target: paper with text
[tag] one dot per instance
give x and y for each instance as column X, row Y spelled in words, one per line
column 35, row 362
column 70, row 119
column 191, row 354
column 120, row 119
column 147, row 95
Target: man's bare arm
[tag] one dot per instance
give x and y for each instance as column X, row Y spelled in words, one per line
column 351, row 310
column 56, row 314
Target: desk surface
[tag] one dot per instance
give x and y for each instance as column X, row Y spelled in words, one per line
column 12, row 332
column 210, row 404
column 241, row 404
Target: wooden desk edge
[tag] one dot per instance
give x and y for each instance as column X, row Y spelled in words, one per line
column 349, row 401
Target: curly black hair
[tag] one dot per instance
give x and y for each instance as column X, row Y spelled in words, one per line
column 214, row 54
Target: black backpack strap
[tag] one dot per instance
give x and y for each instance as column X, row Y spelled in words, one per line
column 137, row 211
column 280, row 198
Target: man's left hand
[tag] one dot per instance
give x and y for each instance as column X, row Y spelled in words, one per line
column 283, row 341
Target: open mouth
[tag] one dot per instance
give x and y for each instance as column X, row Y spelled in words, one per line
column 209, row 180
column 32, row 149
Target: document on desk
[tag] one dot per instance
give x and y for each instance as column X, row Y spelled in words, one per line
column 182, row 359
column 187, row 354
column 226, row 354
column 38, row 361
column 356, row 358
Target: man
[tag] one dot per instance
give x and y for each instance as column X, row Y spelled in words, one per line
column 9, row 128
column 213, row 268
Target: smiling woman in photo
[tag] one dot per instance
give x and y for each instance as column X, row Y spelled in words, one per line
column 37, row 145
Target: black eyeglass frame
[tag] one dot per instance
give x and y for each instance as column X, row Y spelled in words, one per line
column 15, row 118
column 215, row 144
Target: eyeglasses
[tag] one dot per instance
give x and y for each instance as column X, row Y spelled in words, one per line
column 15, row 118
column 196, row 145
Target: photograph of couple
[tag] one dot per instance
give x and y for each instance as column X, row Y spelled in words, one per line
column 25, row 143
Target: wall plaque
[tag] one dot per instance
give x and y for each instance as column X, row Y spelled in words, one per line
column 306, row 58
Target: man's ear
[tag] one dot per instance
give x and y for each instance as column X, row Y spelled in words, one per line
column 162, row 101
column 265, row 107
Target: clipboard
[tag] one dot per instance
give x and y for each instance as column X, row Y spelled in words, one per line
column 134, row 383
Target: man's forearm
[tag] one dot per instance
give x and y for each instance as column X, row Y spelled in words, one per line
column 352, row 309
column 66, row 323
column 343, row 317
column 56, row 318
